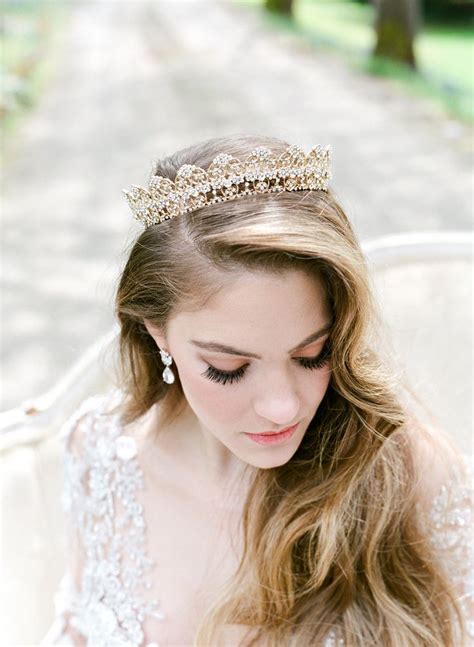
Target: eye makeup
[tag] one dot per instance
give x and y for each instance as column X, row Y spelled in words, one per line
column 231, row 377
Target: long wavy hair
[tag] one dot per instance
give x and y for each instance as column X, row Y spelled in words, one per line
column 333, row 538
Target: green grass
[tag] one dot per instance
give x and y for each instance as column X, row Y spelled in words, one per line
column 445, row 54
column 448, row 53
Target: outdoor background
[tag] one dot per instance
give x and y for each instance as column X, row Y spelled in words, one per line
column 93, row 92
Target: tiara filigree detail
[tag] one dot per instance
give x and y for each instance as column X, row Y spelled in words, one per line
column 228, row 178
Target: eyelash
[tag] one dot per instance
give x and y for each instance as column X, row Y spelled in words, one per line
column 230, row 377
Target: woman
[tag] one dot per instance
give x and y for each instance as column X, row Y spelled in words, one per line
column 259, row 478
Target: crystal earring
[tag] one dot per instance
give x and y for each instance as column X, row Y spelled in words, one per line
column 168, row 375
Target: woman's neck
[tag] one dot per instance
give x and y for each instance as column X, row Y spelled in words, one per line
column 199, row 460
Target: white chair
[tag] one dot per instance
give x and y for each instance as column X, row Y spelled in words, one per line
column 423, row 283
column 33, row 539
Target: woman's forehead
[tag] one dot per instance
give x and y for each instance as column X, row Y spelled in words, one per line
column 256, row 292
column 286, row 307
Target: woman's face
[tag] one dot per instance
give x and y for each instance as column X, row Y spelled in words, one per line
column 253, row 360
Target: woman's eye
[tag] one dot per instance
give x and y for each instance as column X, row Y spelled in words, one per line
column 316, row 362
column 229, row 377
column 224, row 377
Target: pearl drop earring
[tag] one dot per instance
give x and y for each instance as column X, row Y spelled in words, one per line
column 168, row 375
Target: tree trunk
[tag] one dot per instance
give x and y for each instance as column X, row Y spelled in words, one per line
column 284, row 7
column 397, row 22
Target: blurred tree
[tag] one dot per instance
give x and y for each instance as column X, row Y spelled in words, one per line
column 396, row 24
column 280, row 6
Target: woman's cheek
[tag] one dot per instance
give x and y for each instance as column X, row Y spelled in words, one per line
column 325, row 372
column 314, row 385
column 212, row 402
column 324, row 377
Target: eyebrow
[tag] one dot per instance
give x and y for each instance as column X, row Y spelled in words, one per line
column 230, row 350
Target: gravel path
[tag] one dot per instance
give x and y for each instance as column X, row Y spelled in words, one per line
column 136, row 80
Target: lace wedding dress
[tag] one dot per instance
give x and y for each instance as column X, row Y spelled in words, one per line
column 114, row 599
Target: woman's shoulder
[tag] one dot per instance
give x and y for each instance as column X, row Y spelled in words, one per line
column 441, row 466
column 445, row 504
column 438, row 464
column 95, row 434
column 443, row 484
column 102, row 405
column 100, row 456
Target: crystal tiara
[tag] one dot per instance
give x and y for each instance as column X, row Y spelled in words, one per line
column 228, row 178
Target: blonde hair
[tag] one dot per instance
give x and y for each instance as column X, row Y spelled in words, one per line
column 333, row 537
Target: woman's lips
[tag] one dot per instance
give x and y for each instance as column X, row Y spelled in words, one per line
column 267, row 433
column 272, row 438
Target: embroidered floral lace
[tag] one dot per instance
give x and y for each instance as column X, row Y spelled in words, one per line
column 110, row 602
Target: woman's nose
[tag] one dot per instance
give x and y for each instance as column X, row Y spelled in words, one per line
column 278, row 401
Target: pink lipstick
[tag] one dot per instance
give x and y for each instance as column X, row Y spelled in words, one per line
column 270, row 438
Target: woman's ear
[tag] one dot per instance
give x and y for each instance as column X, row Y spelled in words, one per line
column 156, row 332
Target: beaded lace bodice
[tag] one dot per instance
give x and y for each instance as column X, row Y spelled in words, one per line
column 110, row 599
column 101, row 479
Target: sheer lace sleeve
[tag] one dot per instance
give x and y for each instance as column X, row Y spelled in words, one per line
column 103, row 598
column 451, row 535
column 76, row 489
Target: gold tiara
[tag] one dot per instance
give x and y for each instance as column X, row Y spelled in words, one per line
column 228, row 178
